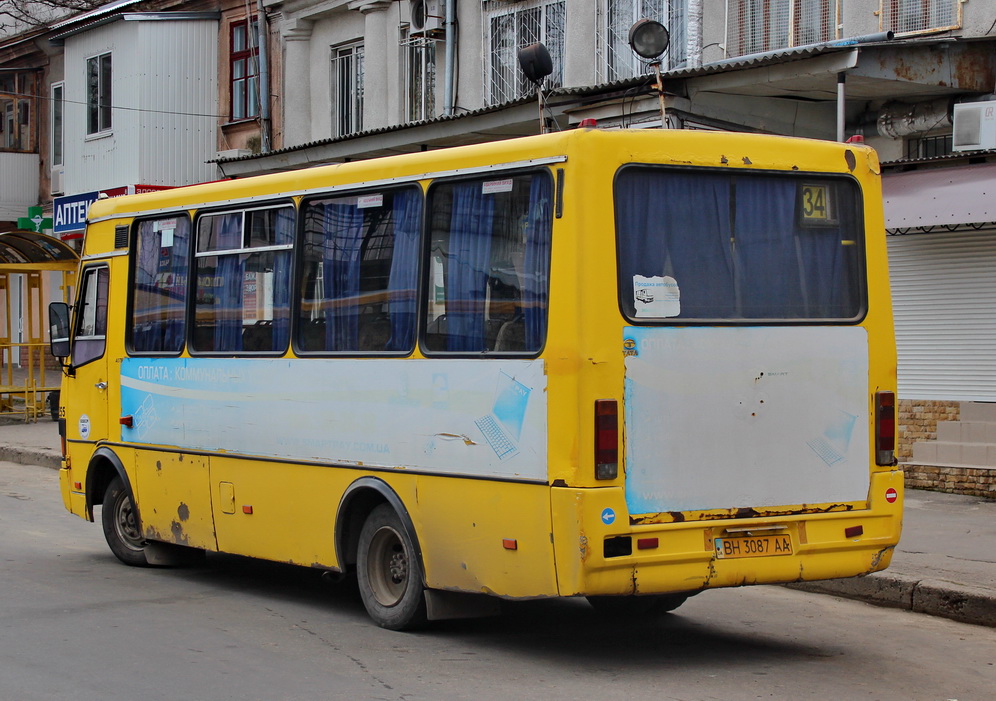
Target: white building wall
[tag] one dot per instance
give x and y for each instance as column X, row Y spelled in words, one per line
column 93, row 162
column 162, row 74
column 178, row 89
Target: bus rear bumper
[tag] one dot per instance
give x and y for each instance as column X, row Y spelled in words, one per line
column 620, row 558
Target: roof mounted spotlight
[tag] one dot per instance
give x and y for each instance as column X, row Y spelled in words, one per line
column 649, row 40
column 536, row 64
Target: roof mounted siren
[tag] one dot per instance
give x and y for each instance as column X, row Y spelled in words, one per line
column 649, row 40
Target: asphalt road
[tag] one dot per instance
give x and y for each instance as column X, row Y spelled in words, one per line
column 74, row 623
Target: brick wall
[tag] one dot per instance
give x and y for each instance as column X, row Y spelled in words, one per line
column 918, row 422
column 956, row 480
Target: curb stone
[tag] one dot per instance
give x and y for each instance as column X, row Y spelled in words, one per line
column 935, row 597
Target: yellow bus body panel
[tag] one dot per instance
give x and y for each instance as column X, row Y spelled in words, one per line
column 505, row 538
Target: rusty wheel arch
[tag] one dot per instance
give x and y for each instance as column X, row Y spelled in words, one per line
column 104, row 466
column 359, row 499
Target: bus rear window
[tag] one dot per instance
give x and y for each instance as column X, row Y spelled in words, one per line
column 708, row 246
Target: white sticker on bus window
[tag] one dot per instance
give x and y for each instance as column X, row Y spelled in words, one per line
column 492, row 187
column 367, row 201
column 656, row 296
column 165, row 228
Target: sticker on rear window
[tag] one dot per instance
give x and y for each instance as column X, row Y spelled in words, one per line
column 656, row 296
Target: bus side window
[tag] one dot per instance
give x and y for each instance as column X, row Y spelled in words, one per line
column 91, row 319
column 360, row 272
column 159, row 285
column 489, row 265
column 243, row 268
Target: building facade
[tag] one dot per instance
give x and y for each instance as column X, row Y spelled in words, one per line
column 197, row 90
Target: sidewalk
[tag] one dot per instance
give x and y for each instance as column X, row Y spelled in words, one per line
column 945, row 564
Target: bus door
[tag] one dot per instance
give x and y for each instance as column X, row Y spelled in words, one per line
column 86, row 408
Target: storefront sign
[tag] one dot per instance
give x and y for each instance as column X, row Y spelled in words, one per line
column 70, row 211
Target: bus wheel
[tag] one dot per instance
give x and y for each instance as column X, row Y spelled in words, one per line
column 389, row 573
column 121, row 528
column 637, row 606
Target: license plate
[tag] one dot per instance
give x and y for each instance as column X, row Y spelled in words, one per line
column 753, row 546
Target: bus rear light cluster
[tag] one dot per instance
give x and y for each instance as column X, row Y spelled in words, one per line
column 606, row 439
column 885, row 428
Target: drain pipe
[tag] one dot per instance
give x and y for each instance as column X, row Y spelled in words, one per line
column 841, row 103
column 449, row 27
column 262, row 41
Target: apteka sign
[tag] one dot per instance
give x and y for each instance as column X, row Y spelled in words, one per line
column 69, row 212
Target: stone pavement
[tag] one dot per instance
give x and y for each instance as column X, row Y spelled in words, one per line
column 945, row 564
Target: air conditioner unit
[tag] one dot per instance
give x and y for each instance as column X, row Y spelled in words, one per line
column 233, row 153
column 974, row 126
column 58, row 174
column 426, row 17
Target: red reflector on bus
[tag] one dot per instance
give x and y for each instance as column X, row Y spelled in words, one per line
column 126, row 421
column 854, row 531
column 77, row 486
column 646, row 543
column 606, row 439
column 510, row 544
column 247, row 509
column 885, row 428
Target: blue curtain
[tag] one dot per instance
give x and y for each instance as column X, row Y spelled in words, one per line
column 765, row 249
column 796, row 272
column 228, row 296
column 536, row 261
column 469, row 256
column 674, row 224
column 282, row 278
column 735, row 246
column 342, row 254
column 403, row 280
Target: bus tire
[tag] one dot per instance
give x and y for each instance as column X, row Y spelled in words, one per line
column 389, row 573
column 651, row 606
column 122, row 530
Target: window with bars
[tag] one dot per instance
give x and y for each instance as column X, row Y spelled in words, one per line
column 244, row 60
column 419, row 76
column 98, row 94
column 618, row 60
column 933, row 146
column 919, row 15
column 767, row 25
column 347, row 89
column 507, row 28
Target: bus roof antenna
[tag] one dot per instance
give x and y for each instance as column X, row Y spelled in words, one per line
column 536, row 65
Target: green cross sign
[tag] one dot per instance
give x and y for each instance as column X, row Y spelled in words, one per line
column 34, row 221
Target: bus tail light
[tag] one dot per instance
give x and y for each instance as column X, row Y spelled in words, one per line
column 606, row 439
column 885, row 428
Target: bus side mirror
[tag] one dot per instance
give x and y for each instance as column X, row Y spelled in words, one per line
column 58, row 323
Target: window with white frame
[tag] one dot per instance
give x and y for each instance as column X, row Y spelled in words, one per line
column 903, row 16
column 98, row 94
column 618, row 60
column 508, row 26
column 754, row 26
column 419, row 76
column 347, row 89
